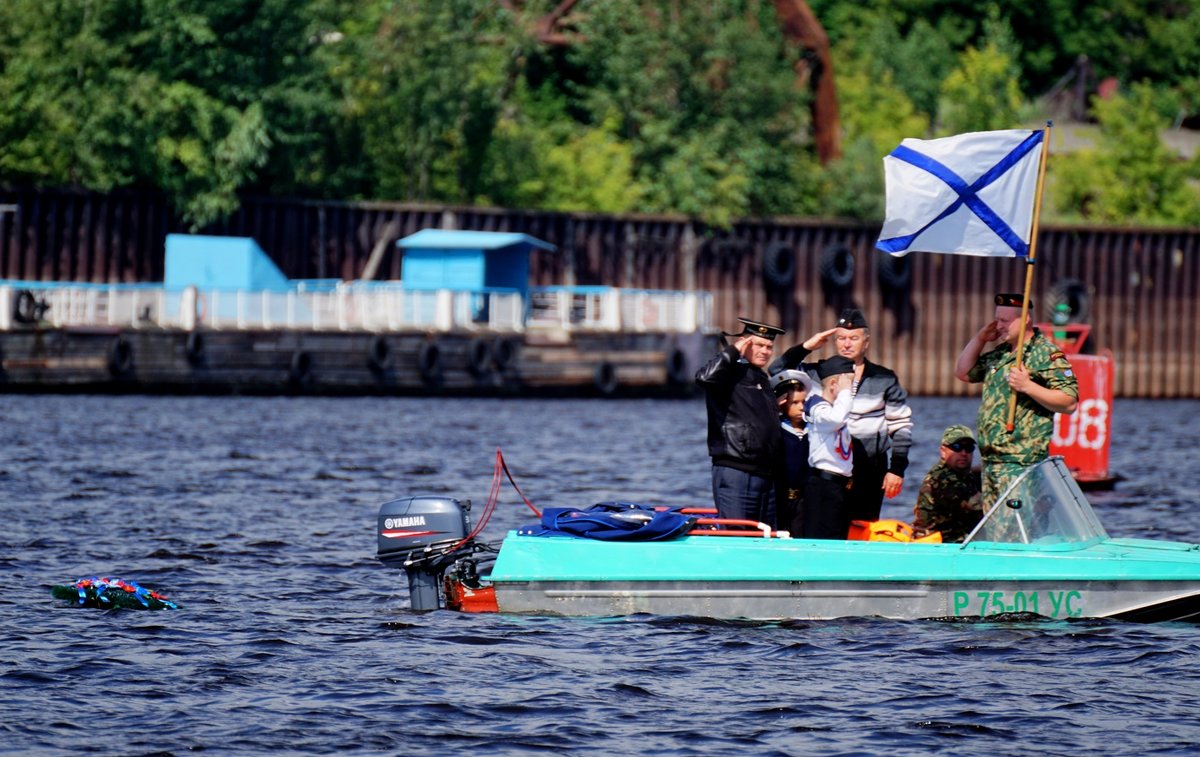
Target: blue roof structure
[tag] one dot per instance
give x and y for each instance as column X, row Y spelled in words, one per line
column 210, row 262
column 448, row 239
column 467, row 260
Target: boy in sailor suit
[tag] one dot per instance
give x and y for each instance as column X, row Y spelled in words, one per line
column 830, row 454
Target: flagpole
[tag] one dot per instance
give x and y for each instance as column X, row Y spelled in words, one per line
column 1029, row 262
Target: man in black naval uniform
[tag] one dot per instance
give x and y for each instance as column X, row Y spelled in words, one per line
column 743, row 424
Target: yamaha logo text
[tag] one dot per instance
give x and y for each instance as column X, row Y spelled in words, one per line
column 414, row 520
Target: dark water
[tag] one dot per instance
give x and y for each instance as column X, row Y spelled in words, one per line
column 257, row 515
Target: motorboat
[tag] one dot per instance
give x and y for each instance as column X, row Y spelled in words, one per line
column 1038, row 552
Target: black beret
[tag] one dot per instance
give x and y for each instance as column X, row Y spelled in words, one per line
column 852, row 318
column 834, row 366
column 754, row 328
column 1011, row 300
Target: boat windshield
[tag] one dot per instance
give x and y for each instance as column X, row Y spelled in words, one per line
column 1043, row 506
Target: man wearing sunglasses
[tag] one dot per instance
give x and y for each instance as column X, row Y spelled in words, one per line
column 949, row 500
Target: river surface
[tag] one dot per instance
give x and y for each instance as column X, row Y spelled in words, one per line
column 257, row 515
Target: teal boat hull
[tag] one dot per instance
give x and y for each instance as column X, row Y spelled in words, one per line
column 769, row 579
column 1039, row 550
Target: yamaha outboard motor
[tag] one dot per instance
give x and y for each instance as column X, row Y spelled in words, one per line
column 414, row 534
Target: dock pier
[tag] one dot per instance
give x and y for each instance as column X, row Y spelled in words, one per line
column 462, row 320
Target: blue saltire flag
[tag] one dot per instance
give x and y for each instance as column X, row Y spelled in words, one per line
column 971, row 194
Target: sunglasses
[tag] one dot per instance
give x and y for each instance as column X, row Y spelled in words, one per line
column 962, row 446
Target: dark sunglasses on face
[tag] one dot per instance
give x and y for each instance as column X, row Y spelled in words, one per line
column 962, row 446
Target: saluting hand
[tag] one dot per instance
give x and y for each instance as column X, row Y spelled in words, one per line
column 818, row 340
column 989, row 333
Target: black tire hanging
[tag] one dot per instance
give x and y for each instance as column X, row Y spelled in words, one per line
column 300, row 370
column 479, row 357
column 605, row 379
column 25, row 309
column 1070, row 301
column 120, row 357
column 193, row 348
column 429, row 363
column 895, row 273
column 677, row 368
column 379, row 354
column 504, row 349
column 779, row 265
column 837, row 267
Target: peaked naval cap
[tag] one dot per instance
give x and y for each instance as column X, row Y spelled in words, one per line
column 754, row 328
column 791, row 379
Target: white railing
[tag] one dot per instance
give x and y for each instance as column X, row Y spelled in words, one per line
column 355, row 306
column 611, row 309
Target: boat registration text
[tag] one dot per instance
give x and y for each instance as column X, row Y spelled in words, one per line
column 1051, row 604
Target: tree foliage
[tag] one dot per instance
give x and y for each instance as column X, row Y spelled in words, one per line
column 1129, row 176
column 656, row 106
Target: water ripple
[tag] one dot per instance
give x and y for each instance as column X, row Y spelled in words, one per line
column 257, row 516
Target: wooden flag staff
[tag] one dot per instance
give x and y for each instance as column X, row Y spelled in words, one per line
column 1029, row 262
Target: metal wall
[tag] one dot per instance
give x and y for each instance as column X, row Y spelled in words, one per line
column 1137, row 287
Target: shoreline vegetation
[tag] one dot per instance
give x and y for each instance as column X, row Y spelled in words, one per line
column 629, row 106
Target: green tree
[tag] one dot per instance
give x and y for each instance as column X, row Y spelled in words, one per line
column 981, row 94
column 187, row 96
column 1130, row 176
column 589, row 169
column 876, row 114
column 426, row 91
column 705, row 95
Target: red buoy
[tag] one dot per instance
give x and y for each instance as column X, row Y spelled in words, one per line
column 1082, row 438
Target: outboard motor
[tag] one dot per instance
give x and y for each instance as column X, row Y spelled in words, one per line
column 414, row 534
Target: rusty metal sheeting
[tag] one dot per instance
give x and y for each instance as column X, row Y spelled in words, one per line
column 1138, row 288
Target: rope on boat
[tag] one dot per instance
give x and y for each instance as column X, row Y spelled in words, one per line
column 493, row 496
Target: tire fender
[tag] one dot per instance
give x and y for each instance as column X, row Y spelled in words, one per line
column 193, row 348
column 479, row 357
column 300, row 370
column 504, row 350
column 120, row 356
column 27, row 308
column 779, row 265
column 837, row 267
column 379, row 353
column 429, row 362
column 677, row 372
column 1070, row 301
column 605, row 379
column 895, row 273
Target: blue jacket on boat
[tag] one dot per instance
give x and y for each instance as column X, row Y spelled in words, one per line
column 743, row 419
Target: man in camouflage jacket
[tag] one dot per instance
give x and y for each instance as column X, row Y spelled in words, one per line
column 949, row 500
column 1044, row 385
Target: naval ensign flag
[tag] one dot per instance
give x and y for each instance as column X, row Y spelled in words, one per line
column 971, row 194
